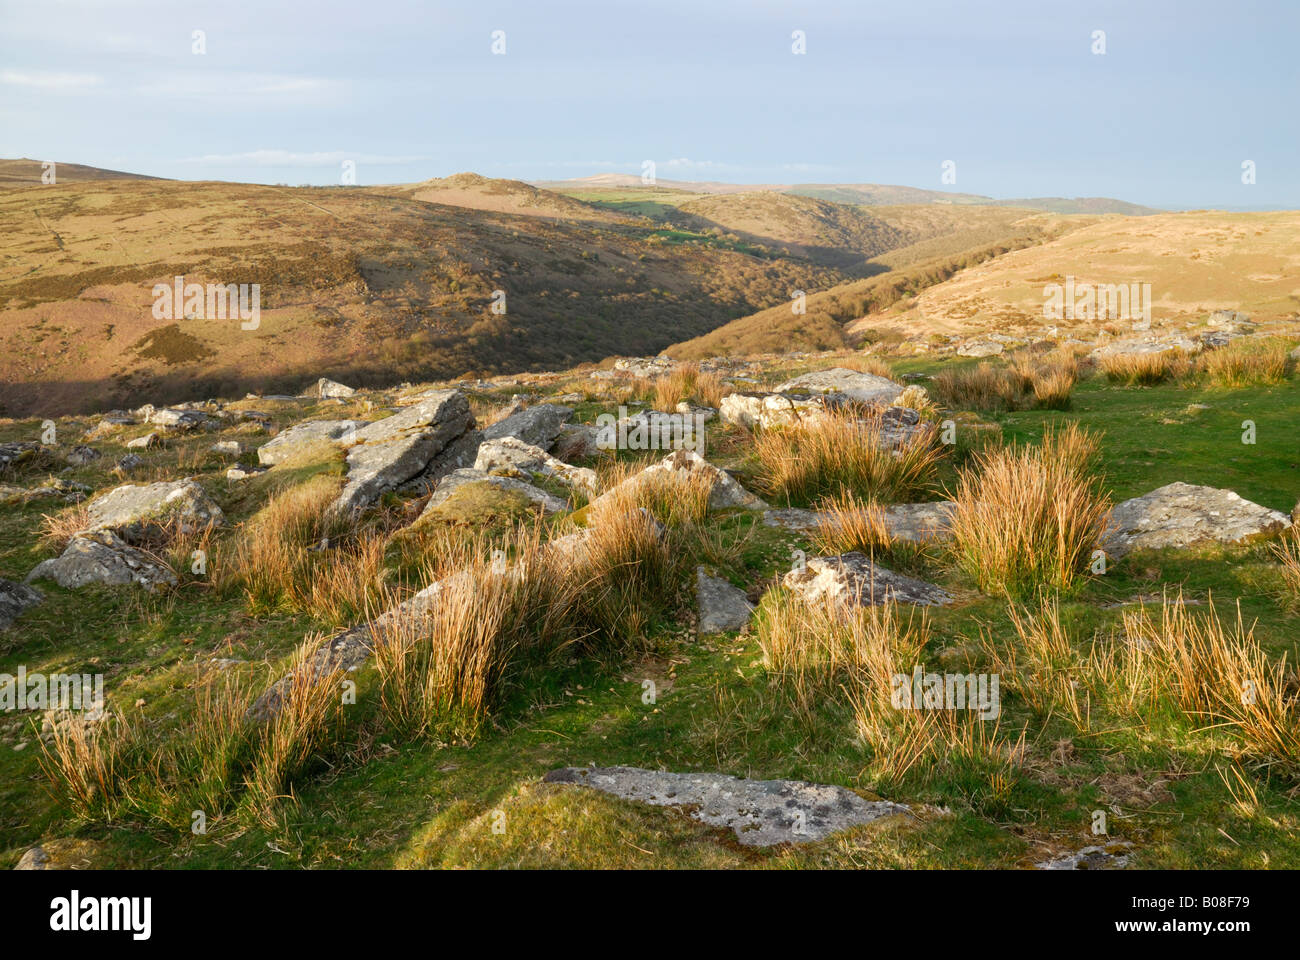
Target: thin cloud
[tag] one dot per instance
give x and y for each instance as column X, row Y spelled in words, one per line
column 290, row 158
column 42, row 80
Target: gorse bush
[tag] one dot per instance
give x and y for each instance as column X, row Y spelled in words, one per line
column 1027, row 517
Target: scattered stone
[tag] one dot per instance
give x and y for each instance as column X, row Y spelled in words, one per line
column 135, row 511
column 180, row 420
column 648, row 367
column 149, row 441
column 722, row 606
column 82, row 455
column 397, row 449
column 241, row 472
column 576, row 440
column 510, row 456
column 53, row 488
column 453, row 481
column 725, row 492
column 1113, row 856
column 128, row 463
column 60, row 854
column 979, row 348
column 14, row 599
column 762, row 813
column 302, row 435
column 538, row 425
column 852, row 579
column 704, row 413
column 865, row 388
column 327, row 389
column 1231, row 321
column 767, row 410
column 227, row 448
column 1182, row 514
column 1148, row 346
column 102, row 557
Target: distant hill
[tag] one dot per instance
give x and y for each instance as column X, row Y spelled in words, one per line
column 22, row 171
column 829, row 233
column 477, row 192
column 608, row 185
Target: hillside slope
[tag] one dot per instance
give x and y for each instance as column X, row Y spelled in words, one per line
column 24, row 172
column 477, row 192
column 353, row 284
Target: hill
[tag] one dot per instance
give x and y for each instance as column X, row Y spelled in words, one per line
column 23, row 172
column 353, row 283
column 477, row 192
column 1196, row 263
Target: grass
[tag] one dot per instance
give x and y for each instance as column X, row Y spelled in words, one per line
column 1145, row 369
column 1248, row 362
column 1027, row 517
column 841, row 452
column 801, row 696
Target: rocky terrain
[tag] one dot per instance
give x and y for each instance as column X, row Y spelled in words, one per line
column 656, row 613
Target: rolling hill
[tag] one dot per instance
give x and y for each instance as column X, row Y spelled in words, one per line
column 24, row 172
column 353, row 283
column 475, row 192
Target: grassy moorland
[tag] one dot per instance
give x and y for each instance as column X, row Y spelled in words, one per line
column 1118, row 690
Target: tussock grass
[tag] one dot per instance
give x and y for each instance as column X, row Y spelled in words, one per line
column 297, row 553
column 1028, row 517
column 838, row 452
column 1023, row 381
column 1145, row 369
column 1248, row 361
column 1287, row 552
column 674, row 497
column 845, row 524
column 687, row 381
column 58, row 529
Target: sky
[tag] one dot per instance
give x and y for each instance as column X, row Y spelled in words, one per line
column 1014, row 95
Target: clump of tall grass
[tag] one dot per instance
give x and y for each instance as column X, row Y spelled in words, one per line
column 839, row 452
column 1145, row 369
column 1209, row 671
column 1027, row 517
column 845, row 524
column 1022, row 382
column 674, row 497
column 686, row 381
column 298, row 553
column 1287, row 552
column 1248, row 361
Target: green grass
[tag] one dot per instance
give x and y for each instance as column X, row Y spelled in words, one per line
column 386, row 802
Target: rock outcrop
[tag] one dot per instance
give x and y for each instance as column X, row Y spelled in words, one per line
column 135, row 512
column 722, row 606
column 762, row 813
column 1183, row 514
column 100, row 556
column 538, row 426
column 851, row 579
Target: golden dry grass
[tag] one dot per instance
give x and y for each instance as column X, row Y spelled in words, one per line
column 1248, row 361
column 1027, row 517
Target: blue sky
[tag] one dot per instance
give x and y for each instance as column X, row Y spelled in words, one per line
column 709, row 89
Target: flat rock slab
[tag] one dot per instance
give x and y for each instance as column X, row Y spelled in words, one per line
column 852, row 579
column 302, row 435
column 453, row 481
column 14, row 599
column 538, row 425
column 722, row 606
column 916, row 522
column 762, row 813
column 862, row 387
column 102, row 557
column 1182, row 514
column 979, row 348
column 1114, row 856
column 132, row 511
column 510, row 456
